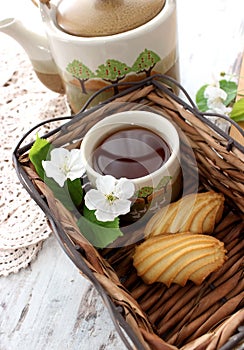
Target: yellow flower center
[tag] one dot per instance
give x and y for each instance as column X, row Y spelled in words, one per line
column 65, row 168
column 111, row 198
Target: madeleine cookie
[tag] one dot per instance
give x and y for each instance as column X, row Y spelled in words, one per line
column 177, row 258
column 197, row 213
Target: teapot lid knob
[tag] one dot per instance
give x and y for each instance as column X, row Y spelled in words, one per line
column 90, row 18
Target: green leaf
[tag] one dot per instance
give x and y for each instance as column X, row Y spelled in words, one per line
column 201, row 101
column 237, row 112
column 75, row 191
column 230, row 88
column 39, row 152
column 99, row 233
column 71, row 194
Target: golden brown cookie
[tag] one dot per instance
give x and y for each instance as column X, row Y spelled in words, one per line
column 177, row 258
column 197, row 213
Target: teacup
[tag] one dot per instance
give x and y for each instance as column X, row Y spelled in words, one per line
column 142, row 146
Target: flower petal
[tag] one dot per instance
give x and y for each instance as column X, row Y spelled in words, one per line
column 104, row 209
column 58, row 155
column 105, row 216
column 94, row 199
column 75, row 165
column 124, row 188
column 75, row 161
column 106, row 184
column 214, row 92
column 121, row 207
column 54, row 172
column 219, row 108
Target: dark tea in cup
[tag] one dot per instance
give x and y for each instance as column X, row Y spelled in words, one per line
column 132, row 153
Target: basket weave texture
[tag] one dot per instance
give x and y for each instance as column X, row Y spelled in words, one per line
column 157, row 317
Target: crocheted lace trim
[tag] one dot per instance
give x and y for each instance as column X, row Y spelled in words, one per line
column 24, row 102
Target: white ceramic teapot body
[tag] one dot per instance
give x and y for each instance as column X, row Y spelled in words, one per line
column 79, row 66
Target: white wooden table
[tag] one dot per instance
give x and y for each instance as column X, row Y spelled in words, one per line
column 49, row 305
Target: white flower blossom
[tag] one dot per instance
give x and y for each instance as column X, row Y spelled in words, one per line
column 111, row 198
column 63, row 165
column 215, row 100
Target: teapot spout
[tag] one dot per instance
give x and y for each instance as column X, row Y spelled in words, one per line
column 37, row 48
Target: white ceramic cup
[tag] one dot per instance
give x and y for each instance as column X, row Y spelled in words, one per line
column 162, row 185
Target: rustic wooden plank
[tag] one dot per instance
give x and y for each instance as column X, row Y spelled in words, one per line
column 50, row 305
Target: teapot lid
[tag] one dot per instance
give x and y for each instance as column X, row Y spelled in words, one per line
column 91, row 18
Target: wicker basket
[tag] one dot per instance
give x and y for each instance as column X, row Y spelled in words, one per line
column 209, row 316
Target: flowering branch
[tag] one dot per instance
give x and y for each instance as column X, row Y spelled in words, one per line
column 219, row 98
column 62, row 171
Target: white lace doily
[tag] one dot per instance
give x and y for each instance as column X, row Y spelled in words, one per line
column 24, row 102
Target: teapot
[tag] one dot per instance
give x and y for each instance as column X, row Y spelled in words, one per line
column 86, row 45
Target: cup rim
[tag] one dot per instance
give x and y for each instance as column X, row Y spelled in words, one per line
column 109, row 120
